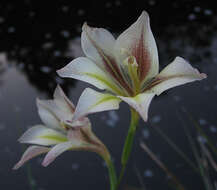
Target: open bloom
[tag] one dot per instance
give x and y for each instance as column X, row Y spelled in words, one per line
column 59, row 133
column 127, row 68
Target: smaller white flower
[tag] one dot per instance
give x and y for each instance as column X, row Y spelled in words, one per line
column 59, row 133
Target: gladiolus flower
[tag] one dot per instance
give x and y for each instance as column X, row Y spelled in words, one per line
column 126, row 68
column 59, row 133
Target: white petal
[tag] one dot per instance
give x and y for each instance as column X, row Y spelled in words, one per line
column 85, row 70
column 30, row 153
column 52, row 112
column 57, row 150
column 41, row 135
column 139, row 41
column 176, row 73
column 140, row 103
column 62, row 101
column 47, row 112
column 92, row 101
column 96, row 43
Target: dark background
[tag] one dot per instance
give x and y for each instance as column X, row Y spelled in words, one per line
column 39, row 37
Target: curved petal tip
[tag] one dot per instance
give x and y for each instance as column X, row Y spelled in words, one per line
column 203, row 75
column 85, row 26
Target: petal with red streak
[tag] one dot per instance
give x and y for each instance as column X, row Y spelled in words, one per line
column 139, row 41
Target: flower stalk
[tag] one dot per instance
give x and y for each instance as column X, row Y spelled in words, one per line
column 112, row 174
column 128, row 143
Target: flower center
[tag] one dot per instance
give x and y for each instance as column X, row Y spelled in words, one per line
column 132, row 71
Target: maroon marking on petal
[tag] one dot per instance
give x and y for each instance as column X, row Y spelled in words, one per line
column 72, row 108
column 154, row 82
column 140, row 52
column 114, row 70
column 158, row 80
column 112, row 67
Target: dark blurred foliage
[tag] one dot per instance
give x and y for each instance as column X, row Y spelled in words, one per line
column 36, row 33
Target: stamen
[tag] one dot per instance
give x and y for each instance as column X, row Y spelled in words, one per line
column 132, row 67
column 64, row 126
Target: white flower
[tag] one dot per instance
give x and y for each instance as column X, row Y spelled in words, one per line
column 127, row 68
column 59, row 133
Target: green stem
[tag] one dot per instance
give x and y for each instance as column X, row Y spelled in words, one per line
column 128, row 143
column 112, row 174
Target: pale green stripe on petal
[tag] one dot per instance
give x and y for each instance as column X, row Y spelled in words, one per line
column 113, row 87
column 42, row 135
column 53, row 138
column 86, row 70
column 92, row 101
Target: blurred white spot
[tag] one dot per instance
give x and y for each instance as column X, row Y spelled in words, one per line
column 57, row 53
column 148, row 173
column 31, row 13
column 197, row 9
column 74, row 48
column 192, row 16
column 156, row 119
column 1, row 20
column 151, row 2
column 11, row 29
column 65, row 33
column 112, row 119
column 108, row 5
column 177, row 98
column 65, row 8
column 213, row 129
column 208, row 12
column 202, row 121
column 2, row 126
column 75, row 166
column 146, row 133
column 117, row 3
column 47, row 45
column 23, row 51
column 201, row 139
column 45, row 69
column 48, row 35
column 81, row 12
